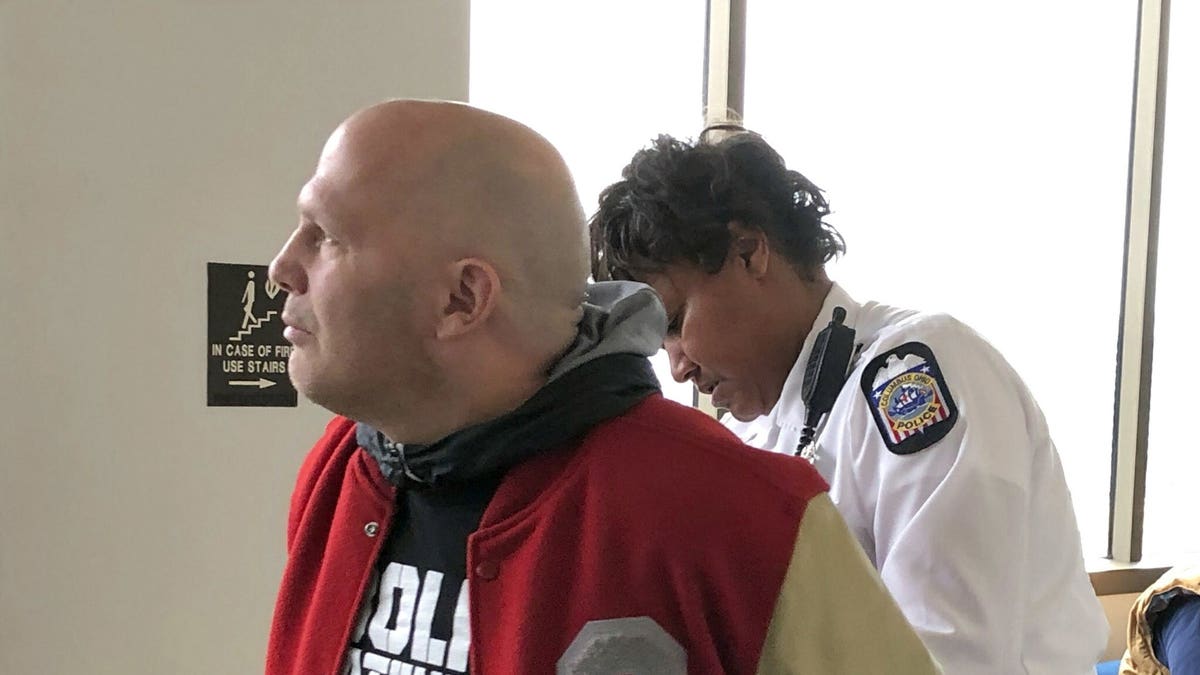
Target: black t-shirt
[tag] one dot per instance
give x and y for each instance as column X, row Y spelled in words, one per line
column 414, row 615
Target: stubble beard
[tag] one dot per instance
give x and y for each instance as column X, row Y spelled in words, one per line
column 406, row 402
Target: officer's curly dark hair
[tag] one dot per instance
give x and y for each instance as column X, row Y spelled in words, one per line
column 675, row 200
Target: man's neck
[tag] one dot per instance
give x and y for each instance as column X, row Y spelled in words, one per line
column 484, row 396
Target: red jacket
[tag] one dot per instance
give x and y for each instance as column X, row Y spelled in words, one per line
column 657, row 513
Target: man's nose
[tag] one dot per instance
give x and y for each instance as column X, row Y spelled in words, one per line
column 682, row 368
column 285, row 271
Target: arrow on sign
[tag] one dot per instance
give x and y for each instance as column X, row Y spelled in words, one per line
column 261, row 383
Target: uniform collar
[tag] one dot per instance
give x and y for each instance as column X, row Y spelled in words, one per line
column 789, row 410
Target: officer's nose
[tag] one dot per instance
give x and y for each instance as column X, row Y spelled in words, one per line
column 682, row 368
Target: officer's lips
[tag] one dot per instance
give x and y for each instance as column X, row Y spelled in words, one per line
column 713, row 388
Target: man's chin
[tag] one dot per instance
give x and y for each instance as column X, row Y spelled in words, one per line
column 328, row 400
column 310, row 387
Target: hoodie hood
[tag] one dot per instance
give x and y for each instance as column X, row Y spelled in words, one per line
column 602, row 374
column 619, row 317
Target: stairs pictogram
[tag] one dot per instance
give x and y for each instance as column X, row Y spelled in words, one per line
column 257, row 322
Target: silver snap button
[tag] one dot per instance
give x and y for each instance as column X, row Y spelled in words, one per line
column 371, row 528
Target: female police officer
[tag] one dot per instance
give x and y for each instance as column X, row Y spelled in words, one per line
column 935, row 451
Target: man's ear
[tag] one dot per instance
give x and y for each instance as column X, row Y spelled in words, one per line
column 749, row 249
column 473, row 294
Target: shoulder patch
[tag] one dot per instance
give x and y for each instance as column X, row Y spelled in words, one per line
column 909, row 399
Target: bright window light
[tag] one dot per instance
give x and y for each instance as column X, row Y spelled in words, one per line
column 974, row 155
column 1169, row 534
column 598, row 79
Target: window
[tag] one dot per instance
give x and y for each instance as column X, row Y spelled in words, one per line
column 1173, row 458
column 975, row 156
column 977, row 159
column 597, row 80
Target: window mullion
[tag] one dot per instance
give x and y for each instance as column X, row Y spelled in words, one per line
column 1136, row 337
column 725, row 61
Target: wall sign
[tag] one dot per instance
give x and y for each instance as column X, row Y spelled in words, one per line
column 247, row 355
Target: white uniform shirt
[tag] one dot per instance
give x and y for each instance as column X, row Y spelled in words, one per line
column 974, row 535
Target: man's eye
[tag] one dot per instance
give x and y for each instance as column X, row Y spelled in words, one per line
column 320, row 237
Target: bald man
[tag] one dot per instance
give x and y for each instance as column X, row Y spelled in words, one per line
column 503, row 489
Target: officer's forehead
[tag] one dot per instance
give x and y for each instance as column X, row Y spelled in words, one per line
column 671, row 283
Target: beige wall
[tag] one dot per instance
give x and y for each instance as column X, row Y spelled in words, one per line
column 1116, row 608
column 140, row 531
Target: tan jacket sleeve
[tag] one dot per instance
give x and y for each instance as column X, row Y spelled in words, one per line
column 834, row 615
column 1139, row 657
